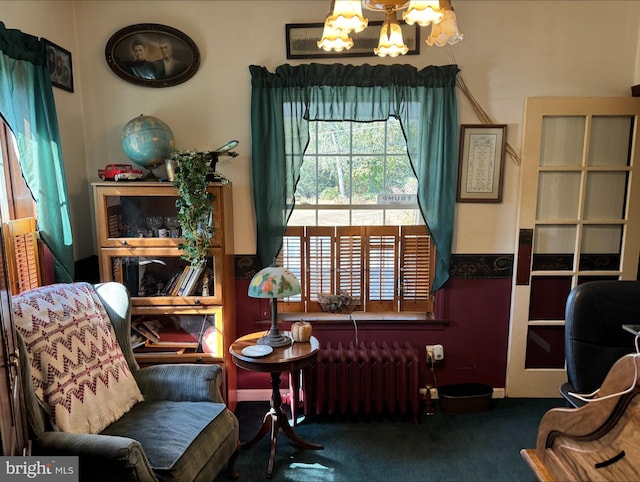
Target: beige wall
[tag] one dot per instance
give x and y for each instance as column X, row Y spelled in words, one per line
column 511, row 50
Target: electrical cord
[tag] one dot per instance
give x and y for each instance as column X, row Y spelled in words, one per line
column 433, row 371
column 355, row 326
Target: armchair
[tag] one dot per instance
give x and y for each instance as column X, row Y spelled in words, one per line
column 594, row 338
column 181, row 430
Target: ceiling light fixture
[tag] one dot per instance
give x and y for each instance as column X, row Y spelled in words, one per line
column 346, row 17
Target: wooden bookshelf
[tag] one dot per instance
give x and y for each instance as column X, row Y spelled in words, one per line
column 134, row 253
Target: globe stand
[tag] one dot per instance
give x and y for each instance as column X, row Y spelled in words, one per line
column 151, row 176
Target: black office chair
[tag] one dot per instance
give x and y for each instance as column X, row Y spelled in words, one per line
column 594, row 337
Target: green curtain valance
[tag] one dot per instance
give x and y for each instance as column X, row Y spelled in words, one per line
column 336, row 75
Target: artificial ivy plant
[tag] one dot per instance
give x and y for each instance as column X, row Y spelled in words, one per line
column 195, row 207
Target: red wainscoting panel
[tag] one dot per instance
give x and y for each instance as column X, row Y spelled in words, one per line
column 475, row 341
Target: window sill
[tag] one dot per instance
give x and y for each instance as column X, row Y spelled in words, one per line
column 361, row 317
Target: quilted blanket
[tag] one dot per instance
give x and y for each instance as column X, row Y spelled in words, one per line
column 79, row 373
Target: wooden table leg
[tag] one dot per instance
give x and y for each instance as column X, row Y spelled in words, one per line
column 295, row 391
column 274, row 440
column 288, row 431
column 281, row 418
column 275, row 419
column 267, row 423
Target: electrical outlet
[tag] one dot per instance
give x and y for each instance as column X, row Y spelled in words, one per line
column 438, row 352
column 430, row 357
column 435, row 353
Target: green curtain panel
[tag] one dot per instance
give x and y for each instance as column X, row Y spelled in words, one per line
column 27, row 105
column 282, row 104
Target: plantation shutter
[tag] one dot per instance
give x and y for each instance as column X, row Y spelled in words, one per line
column 320, row 264
column 416, row 262
column 388, row 268
column 23, row 255
column 350, row 261
column 292, row 257
column 382, row 268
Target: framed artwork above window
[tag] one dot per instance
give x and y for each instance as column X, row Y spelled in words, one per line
column 302, row 41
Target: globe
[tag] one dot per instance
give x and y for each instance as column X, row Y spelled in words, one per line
column 147, row 141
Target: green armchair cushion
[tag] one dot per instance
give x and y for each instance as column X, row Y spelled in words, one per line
column 171, row 432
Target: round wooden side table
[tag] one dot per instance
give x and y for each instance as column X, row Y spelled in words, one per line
column 289, row 358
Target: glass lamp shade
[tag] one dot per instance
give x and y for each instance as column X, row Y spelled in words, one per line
column 391, row 42
column 423, row 12
column 347, row 16
column 445, row 32
column 334, row 39
column 274, row 282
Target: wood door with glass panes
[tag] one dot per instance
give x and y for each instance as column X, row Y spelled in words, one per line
column 578, row 222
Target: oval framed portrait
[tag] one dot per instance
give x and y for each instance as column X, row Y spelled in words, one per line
column 152, row 55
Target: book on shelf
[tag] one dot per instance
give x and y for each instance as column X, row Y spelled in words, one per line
column 185, row 281
column 137, row 340
column 180, row 281
column 159, row 350
column 144, row 330
column 154, row 326
column 190, row 281
column 168, row 289
column 174, row 337
column 192, row 284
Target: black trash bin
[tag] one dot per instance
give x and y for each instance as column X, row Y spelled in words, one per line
column 465, row 397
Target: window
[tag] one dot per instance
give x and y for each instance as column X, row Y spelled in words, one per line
column 16, row 198
column 18, row 210
column 356, row 225
column 356, row 173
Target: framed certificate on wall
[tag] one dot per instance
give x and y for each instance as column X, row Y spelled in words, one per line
column 481, row 163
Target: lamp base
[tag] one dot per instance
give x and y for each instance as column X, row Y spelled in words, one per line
column 274, row 340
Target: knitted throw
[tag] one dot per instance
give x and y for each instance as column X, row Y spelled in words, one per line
column 79, row 373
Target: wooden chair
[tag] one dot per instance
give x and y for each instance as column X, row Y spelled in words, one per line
column 597, row 441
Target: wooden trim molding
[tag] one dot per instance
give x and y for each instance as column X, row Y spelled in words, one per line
column 463, row 266
column 481, row 266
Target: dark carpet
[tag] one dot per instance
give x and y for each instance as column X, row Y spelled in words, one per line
column 482, row 446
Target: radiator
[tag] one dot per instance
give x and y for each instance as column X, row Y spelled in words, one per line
column 361, row 378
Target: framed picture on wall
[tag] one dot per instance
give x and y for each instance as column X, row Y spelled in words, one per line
column 152, row 55
column 302, row 41
column 481, row 163
column 59, row 63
